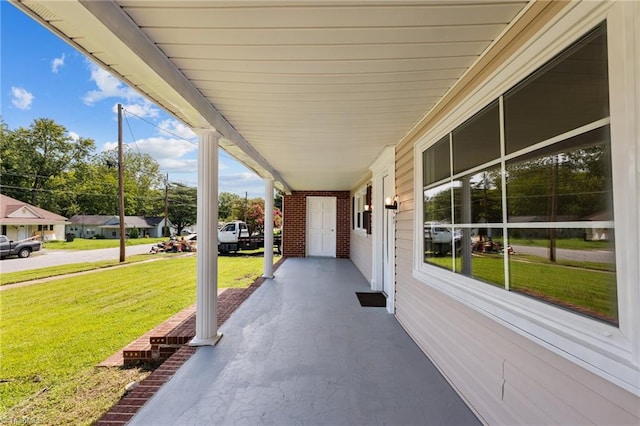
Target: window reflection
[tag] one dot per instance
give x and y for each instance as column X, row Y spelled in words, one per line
column 565, row 187
column 477, row 140
column 569, row 181
column 439, row 244
column 436, row 162
column 480, row 254
column 437, row 204
column 437, row 220
column 570, row 91
column 572, row 268
column 478, row 197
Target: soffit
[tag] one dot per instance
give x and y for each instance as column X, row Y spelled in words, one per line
column 317, row 89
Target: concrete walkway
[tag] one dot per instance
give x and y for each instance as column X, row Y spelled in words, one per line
column 301, row 350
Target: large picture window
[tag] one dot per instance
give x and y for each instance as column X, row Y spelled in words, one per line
column 519, row 196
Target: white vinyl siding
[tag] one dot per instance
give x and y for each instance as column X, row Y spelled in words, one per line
column 508, row 371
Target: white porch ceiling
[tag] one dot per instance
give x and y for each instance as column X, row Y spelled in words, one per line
column 306, row 92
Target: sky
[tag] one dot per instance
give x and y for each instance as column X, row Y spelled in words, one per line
column 41, row 76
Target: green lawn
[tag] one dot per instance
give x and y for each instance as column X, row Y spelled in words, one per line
column 586, row 287
column 89, row 244
column 53, row 334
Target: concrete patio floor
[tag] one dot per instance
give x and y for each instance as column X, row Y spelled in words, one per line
column 301, row 350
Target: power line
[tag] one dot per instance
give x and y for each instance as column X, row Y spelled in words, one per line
column 223, row 154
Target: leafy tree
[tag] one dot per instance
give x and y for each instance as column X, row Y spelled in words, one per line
column 226, row 202
column 97, row 190
column 255, row 216
column 32, row 157
column 182, row 205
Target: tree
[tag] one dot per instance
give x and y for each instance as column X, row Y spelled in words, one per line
column 32, row 157
column 226, row 202
column 182, row 205
column 97, row 190
column 255, row 216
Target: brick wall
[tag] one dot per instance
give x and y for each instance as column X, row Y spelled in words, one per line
column 294, row 226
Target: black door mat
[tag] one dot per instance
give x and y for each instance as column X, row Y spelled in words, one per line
column 376, row 300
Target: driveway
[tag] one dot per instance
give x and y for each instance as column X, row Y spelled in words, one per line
column 47, row 258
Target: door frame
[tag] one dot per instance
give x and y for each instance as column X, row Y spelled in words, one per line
column 383, row 166
column 335, row 225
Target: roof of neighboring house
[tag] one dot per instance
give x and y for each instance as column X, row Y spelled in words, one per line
column 155, row 220
column 111, row 221
column 90, row 219
column 16, row 212
column 129, row 222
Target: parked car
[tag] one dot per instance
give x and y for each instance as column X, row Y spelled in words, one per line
column 22, row 248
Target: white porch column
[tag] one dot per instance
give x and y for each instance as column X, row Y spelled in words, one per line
column 268, row 228
column 207, row 226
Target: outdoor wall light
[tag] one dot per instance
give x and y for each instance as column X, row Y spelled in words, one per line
column 367, row 207
column 391, row 204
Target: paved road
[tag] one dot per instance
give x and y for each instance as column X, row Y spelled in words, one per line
column 46, row 258
column 603, row 256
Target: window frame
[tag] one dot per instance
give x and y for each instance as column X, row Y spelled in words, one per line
column 608, row 351
column 359, row 202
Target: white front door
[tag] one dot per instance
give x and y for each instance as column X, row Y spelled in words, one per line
column 22, row 233
column 321, row 226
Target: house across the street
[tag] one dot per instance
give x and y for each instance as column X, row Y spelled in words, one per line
column 108, row 226
column 20, row 220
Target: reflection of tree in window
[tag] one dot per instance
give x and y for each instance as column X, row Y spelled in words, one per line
column 578, row 179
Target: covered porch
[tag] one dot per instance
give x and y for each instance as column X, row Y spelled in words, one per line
column 301, row 350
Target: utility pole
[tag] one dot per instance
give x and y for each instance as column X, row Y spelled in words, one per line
column 121, row 184
column 165, row 230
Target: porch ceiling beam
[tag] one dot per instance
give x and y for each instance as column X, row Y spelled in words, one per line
column 121, row 25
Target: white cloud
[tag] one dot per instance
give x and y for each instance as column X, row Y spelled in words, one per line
column 74, row 136
column 22, row 99
column 173, row 155
column 165, row 148
column 57, row 63
column 143, row 108
column 176, row 128
column 176, row 165
column 108, row 87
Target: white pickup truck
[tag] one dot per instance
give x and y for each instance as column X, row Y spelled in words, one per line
column 234, row 236
column 438, row 238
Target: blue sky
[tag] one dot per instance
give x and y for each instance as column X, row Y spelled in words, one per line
column 41, row 76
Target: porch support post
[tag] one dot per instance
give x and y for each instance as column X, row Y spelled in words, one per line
column 207, row 226
column 268, row 228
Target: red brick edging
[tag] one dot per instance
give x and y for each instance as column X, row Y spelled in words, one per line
column 133, row 400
